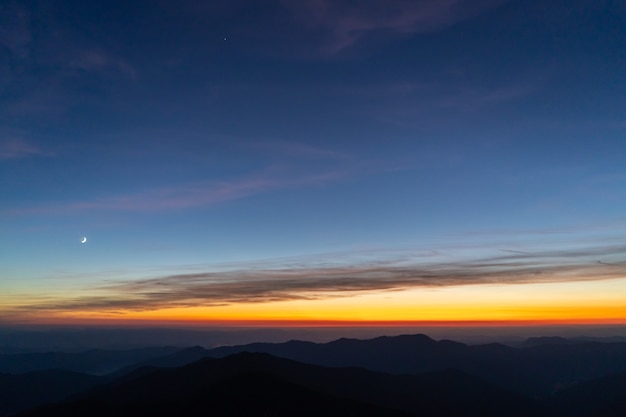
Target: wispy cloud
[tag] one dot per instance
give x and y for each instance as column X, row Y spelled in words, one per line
column 603, row 227
column 301, row 150
column 188, row 195
column 44, row 60
column 477, row 99
column 92, row 60
column 15, row 33
column 346, row 23
column 264, row 283
column 17, row 148
column 440, row 103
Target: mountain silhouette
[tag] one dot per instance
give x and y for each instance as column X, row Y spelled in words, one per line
column 549, row 340
column 261, row 384
column 23, row 391
column 173, row 360
column 538, row 368
column 95, row 361
column 550, row 377
column 602, row 397
column 536, row 371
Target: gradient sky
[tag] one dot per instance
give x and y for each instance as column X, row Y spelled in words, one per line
column 294, row 160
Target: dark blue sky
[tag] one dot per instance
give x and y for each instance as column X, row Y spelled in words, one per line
column 191, row 134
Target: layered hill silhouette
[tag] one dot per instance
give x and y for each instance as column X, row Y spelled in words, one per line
column 96, row 361
column 536, row 371
column 602, row 397
column 260, row 384
column 395, row 376
column 179, row 358
column 20, row 392
column 537, row 368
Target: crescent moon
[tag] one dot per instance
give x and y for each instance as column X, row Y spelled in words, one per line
column 83, row 240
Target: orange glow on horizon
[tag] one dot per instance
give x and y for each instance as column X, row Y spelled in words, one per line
column 498, row 316
column 588, row 303
column 200, row 322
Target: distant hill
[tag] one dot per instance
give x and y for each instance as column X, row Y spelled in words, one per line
column 553, row 378
column 551, row 340
column 172, row 360
column 537, row 371
column 602, row 397
column 557, row 340
column 97, row 362
column 258, row 384
column 20, row 392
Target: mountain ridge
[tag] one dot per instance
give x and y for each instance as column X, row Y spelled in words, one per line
column 451, row 392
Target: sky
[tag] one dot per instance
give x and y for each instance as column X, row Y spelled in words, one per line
column 313, row 161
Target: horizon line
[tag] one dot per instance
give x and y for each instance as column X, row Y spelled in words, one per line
column 199, row 323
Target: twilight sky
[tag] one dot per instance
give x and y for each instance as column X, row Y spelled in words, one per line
column 294, row 160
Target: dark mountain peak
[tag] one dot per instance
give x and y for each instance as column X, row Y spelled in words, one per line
column 299, row 343
column 344, row 341
column 192, row 349
column 405, row 340
column 547, row 340
column 419, row 337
